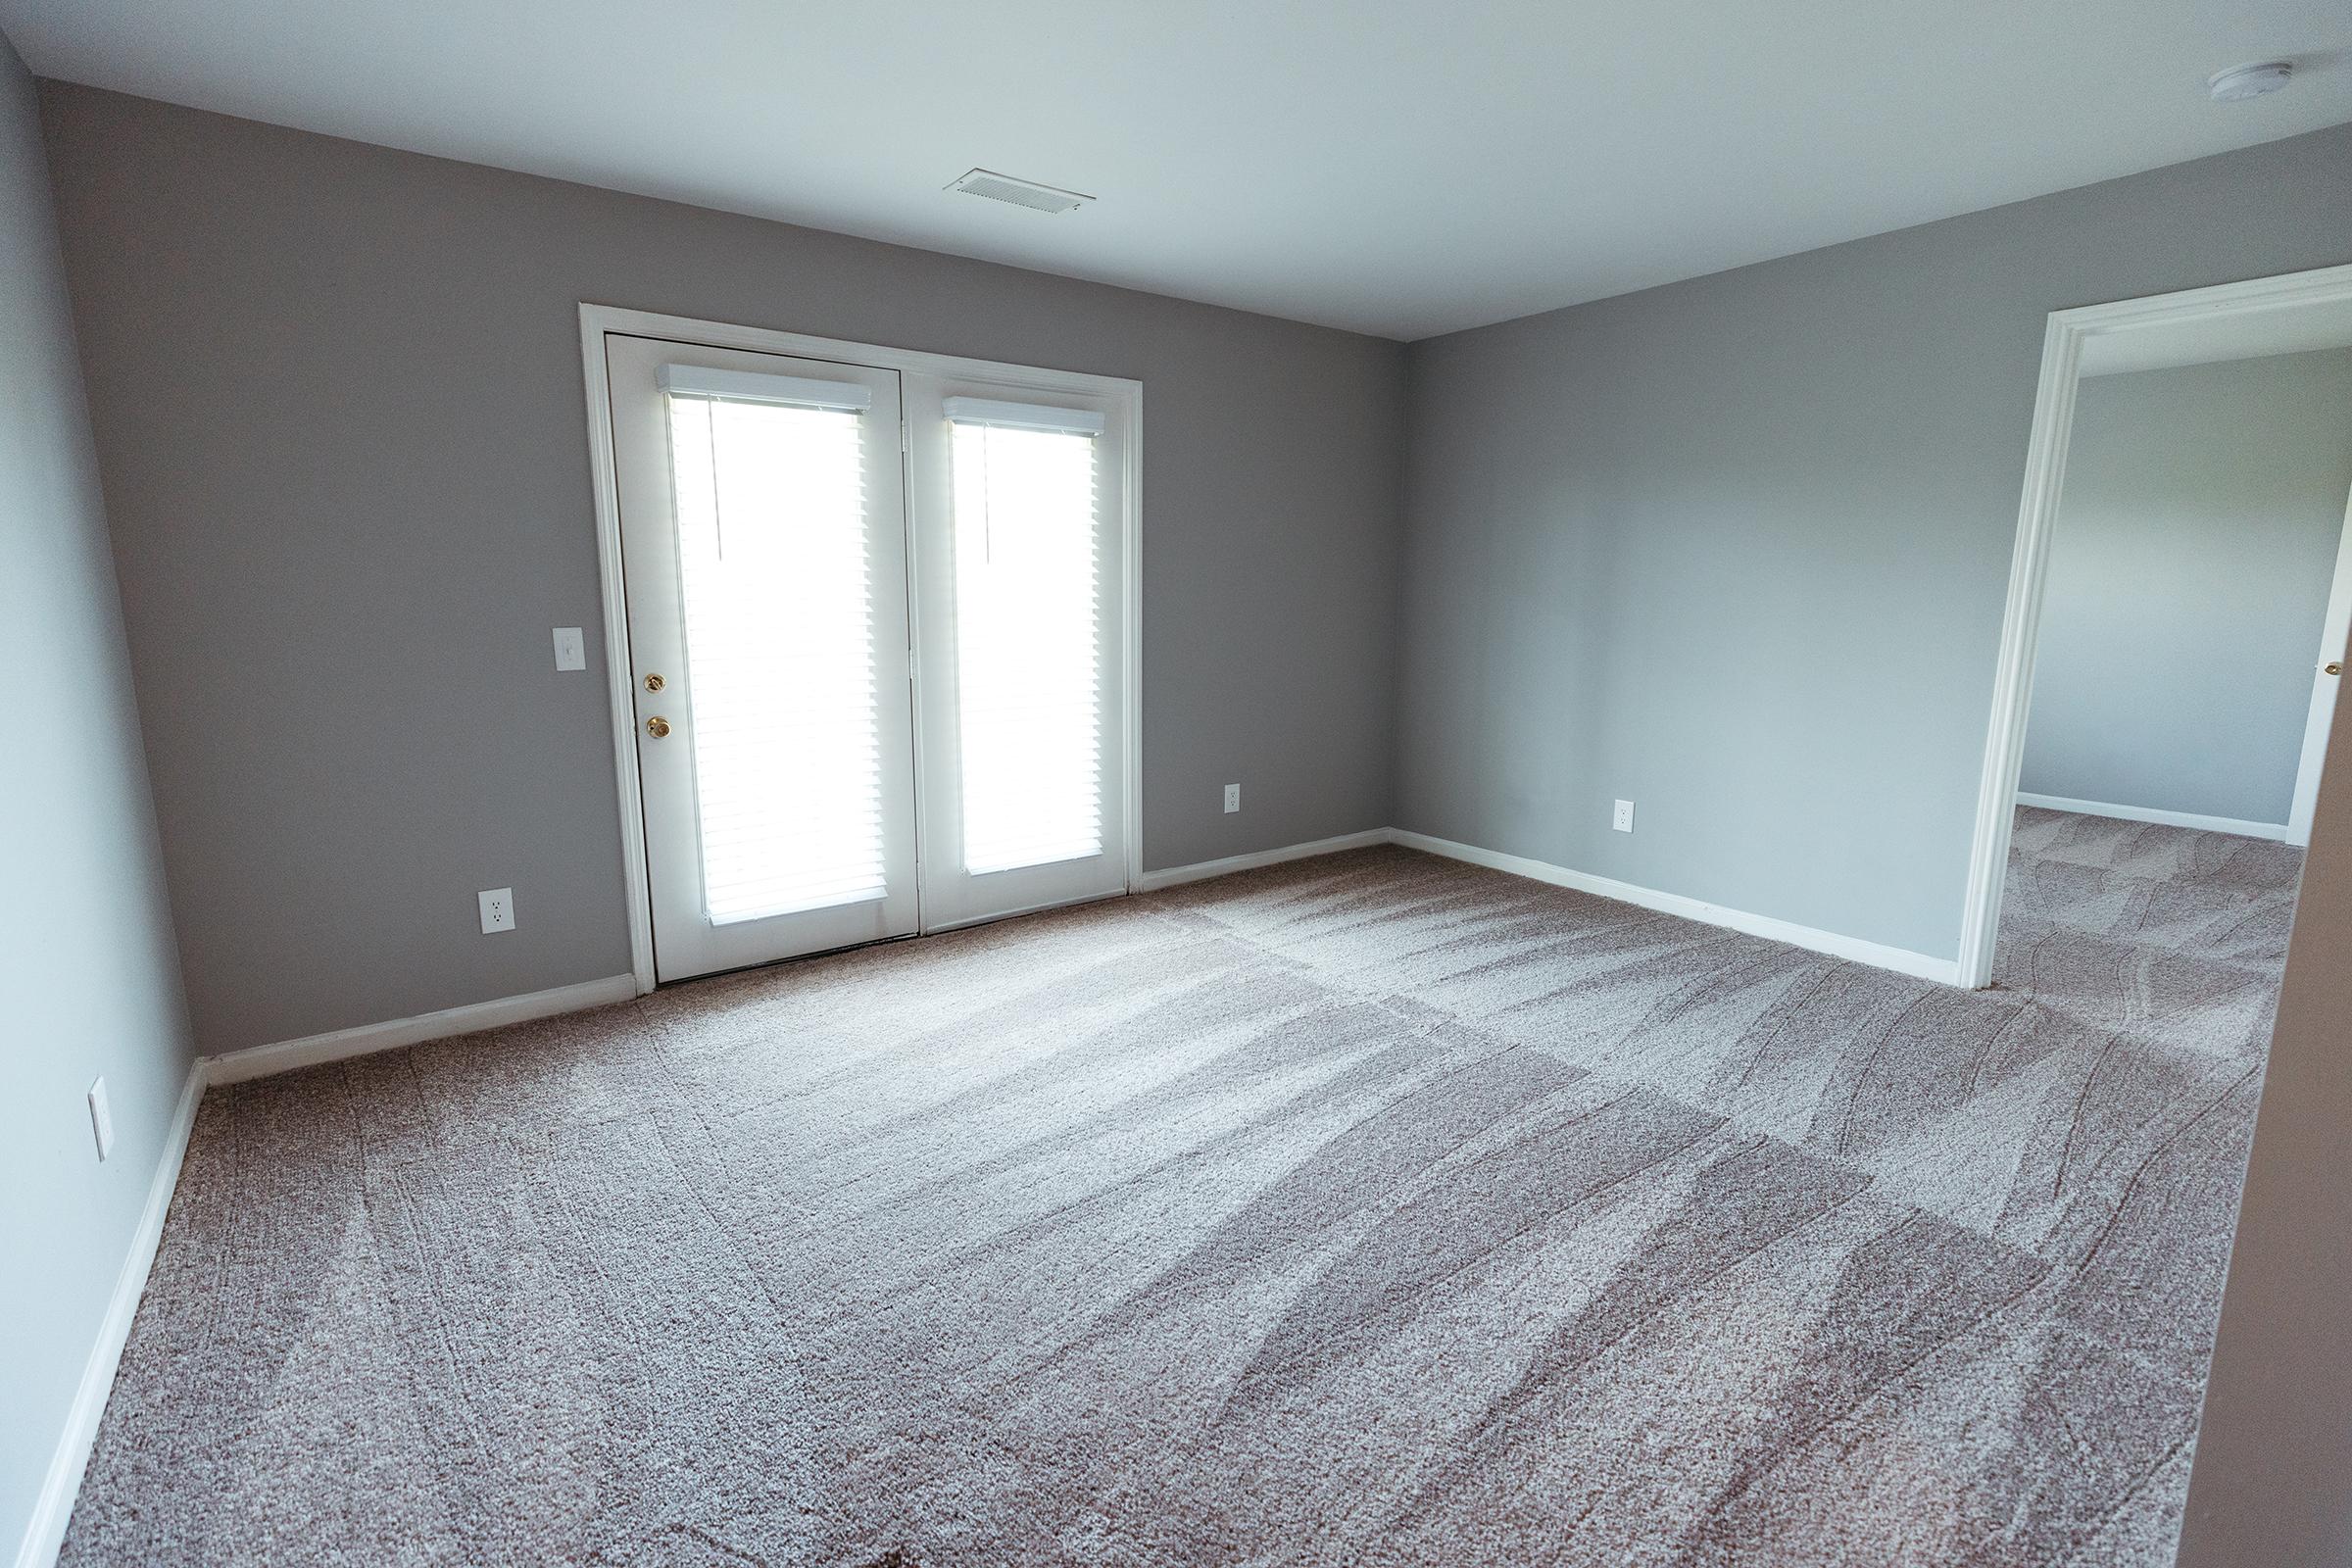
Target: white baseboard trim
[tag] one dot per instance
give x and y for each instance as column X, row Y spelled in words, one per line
column 1902, row 961
column 2277, row 832
column 259, row 1061
column 1201, row 871
column 45, row 1533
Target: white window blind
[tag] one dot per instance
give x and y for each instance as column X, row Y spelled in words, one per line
column 1028, row 638
column 1023, row 416
column 766, row 386
column 774, row 561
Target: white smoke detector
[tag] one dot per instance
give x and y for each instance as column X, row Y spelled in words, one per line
column 2249, row 81
column 1020, row 192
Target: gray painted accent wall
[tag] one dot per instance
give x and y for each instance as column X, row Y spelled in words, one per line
column 2190, row 568
column 339, row 414
column 86, row 958
column 1737, row 549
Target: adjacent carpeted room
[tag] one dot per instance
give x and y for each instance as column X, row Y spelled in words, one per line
column 1366, row 1210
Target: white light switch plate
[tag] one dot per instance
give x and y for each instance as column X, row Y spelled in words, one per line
column 102, row 1119
column 1232, row 797
column 1623, row 822
column 497, row 909
column 571, row 650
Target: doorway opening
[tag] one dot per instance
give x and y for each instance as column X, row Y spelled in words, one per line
column 2294, row 315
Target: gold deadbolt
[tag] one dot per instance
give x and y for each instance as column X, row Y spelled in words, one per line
column 654, row 683
column 2336, row 669
column 656, row 726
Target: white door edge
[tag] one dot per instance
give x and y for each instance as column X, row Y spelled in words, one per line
column 2334, row 629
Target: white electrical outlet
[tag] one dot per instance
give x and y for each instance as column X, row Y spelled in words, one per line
column 1232, row 797
column 571, row 652
column 497, row 909
column 1623, row 822
column 102, row 1119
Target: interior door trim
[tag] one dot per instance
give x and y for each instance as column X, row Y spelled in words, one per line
column 597, row 321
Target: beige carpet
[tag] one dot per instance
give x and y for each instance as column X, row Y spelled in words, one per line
column 1372, row 1210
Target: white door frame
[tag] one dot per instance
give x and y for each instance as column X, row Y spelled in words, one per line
column 598, row 320
column 2324, row 688
column 2062, row 348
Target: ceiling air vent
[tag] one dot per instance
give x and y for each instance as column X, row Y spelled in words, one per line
column 1020, row 192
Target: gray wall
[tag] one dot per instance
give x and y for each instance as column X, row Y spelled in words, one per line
column 1737, row 549
column 2189, row 578
column 2272, row 1482
column 86, row 961
column 337, row 397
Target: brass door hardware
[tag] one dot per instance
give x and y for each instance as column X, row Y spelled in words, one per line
column 656, row 726
column 654, row 683
column 2336, row 669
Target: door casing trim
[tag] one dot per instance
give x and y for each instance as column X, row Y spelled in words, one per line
column 596, row 320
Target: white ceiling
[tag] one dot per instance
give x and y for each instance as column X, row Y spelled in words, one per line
column 2300, row 328
column 1398, row 167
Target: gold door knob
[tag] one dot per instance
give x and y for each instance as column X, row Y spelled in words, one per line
column 654, row 683
column 656, row 726
column 2336, row 669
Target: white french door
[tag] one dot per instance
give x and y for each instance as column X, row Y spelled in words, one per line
column 763, row 545
column 877, row 641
